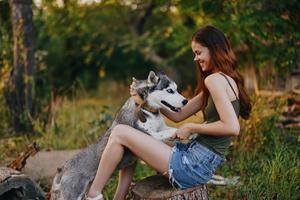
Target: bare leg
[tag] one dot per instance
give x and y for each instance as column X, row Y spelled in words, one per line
column 125, row 178
column 107, row 166
column 152, row 151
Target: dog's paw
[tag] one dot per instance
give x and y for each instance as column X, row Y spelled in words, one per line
column 170, row 141
column 193, row 136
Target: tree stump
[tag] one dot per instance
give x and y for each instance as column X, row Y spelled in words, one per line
column 158, row 187
column 16, row 186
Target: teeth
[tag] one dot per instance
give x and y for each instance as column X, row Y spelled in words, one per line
column 177, row 109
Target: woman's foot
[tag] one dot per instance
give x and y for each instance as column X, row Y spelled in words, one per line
column 97, row 197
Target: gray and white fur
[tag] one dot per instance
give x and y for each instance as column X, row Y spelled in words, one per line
column 158, row 91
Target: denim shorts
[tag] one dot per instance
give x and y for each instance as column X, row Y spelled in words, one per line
column 192, row 164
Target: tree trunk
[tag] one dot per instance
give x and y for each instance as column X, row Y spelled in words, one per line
column 14, row 186
column 158, row 187
column 250, row 78
column 19, row 93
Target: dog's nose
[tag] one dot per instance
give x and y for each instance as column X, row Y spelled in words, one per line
column 184, row 102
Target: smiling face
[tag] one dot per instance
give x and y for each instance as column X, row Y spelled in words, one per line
column 202, row 55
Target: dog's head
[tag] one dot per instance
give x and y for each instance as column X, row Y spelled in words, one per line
column 159, row 91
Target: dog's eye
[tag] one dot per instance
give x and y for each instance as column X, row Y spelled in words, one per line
column 170, row 91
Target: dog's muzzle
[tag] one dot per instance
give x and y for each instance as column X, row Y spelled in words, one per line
column 184, row 102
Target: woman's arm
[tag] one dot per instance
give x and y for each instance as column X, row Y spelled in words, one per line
column 228, row 123
column 192, row 107
column 217, row 128
column 189, row 109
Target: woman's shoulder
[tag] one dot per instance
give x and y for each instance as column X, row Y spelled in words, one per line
column 217, row 82
column 214, row 79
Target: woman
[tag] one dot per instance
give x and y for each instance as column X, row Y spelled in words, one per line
column 220, row 94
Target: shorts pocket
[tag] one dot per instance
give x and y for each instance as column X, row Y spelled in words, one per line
column 199, row 171
column 184, row 179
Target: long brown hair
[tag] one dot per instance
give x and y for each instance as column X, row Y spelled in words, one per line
column 221, row 57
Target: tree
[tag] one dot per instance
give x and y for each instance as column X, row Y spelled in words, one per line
column 19, row 90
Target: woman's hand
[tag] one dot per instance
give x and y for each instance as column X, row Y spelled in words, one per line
column 184, row 131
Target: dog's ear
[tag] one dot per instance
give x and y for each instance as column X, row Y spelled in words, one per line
column 161, row 73
column 152, row 78
column 138, row 83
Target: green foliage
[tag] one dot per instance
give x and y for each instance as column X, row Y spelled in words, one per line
column 71, row 130
column 265, row 157
column 81, row 40
column 87, row 43
column 6, row 43
column 103, row 121
column 276, row 172
column 5, row 63
column 3, row 117
column 80, row 119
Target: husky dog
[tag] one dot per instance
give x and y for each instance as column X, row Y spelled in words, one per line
column 158, row 91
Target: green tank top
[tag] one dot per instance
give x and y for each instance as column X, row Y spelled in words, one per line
column 218, row 144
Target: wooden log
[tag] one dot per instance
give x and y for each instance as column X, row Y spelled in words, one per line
column 45, row 163
column 15, row 186
column 158, row 187
column 20, row 161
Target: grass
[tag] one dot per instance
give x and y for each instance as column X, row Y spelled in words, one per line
column 264, row 156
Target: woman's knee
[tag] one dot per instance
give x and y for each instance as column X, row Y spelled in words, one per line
column 118, row 132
